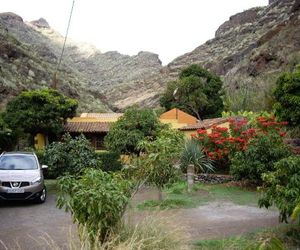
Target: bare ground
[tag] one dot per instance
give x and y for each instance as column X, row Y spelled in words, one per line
column 213, row 220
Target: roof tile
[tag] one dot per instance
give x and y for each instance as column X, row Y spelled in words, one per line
column 87, row 127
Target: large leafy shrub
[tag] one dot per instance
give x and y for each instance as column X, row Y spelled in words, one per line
column 134, row 126
column 282, row 186
column 259, row 157
column 287, row 96
column 110, row 161
column 96, row 200
column 70, row 156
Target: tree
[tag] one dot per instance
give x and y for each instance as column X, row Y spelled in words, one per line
column 159, row 158
column 197, row 91
column 40, row 111
column 287, row 96
column 134, row 126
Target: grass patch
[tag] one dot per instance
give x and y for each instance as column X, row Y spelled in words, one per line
column 288, row 235
column 51, row 186
column 165, row 204
column 232, row 243
column 176, row 196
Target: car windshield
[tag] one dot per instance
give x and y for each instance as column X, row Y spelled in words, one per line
column 18, row 162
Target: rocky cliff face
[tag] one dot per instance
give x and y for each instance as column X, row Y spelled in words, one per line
column 251, row 48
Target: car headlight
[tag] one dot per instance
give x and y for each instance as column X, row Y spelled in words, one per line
column 37, row 180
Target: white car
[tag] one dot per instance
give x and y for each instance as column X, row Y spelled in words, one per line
column 21, row 177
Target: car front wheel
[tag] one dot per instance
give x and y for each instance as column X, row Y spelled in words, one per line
column 42, row 196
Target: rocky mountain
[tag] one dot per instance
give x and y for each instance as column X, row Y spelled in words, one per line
column 250, row 49
column 28, row 61
column 98, row 80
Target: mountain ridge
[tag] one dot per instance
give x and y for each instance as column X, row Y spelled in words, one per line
column 250, row 49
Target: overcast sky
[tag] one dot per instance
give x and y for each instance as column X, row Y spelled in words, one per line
column 169, row 28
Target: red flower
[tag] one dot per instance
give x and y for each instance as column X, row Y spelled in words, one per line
column 282, row 134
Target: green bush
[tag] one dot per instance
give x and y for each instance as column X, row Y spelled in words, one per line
column 96, row 200
column 70, row 156
column 258, row 158
column 287, row 96
column 8, row 138
column 133, row 127
column 110, row 161
column 282, row 187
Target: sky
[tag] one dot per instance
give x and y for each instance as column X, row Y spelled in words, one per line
column 169, row 28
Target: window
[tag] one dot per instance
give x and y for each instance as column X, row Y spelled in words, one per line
column 18, row 162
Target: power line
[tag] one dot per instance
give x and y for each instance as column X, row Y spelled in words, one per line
column 54, row 81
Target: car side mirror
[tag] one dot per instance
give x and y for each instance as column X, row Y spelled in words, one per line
column 44, row 166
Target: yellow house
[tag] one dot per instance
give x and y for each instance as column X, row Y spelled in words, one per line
column 177, row 118
column 189, row 124
column 94, row 126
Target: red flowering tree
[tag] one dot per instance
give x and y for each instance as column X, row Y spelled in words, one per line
column 222, row 142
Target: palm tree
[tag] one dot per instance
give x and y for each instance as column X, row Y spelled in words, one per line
column 193, row 159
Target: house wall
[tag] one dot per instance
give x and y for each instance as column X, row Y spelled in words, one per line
column 180, row 116
column 173, row 123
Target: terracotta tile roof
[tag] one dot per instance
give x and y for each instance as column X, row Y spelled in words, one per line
column 102, row 115
column 87, row 127
column 204, row 124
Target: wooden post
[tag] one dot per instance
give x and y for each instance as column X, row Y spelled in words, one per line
column 190, row 177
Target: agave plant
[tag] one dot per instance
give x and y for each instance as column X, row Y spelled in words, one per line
column 192, row 154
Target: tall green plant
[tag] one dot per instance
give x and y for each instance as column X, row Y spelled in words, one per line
column 282, row 187
column 96, row 200
column 159, row 158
